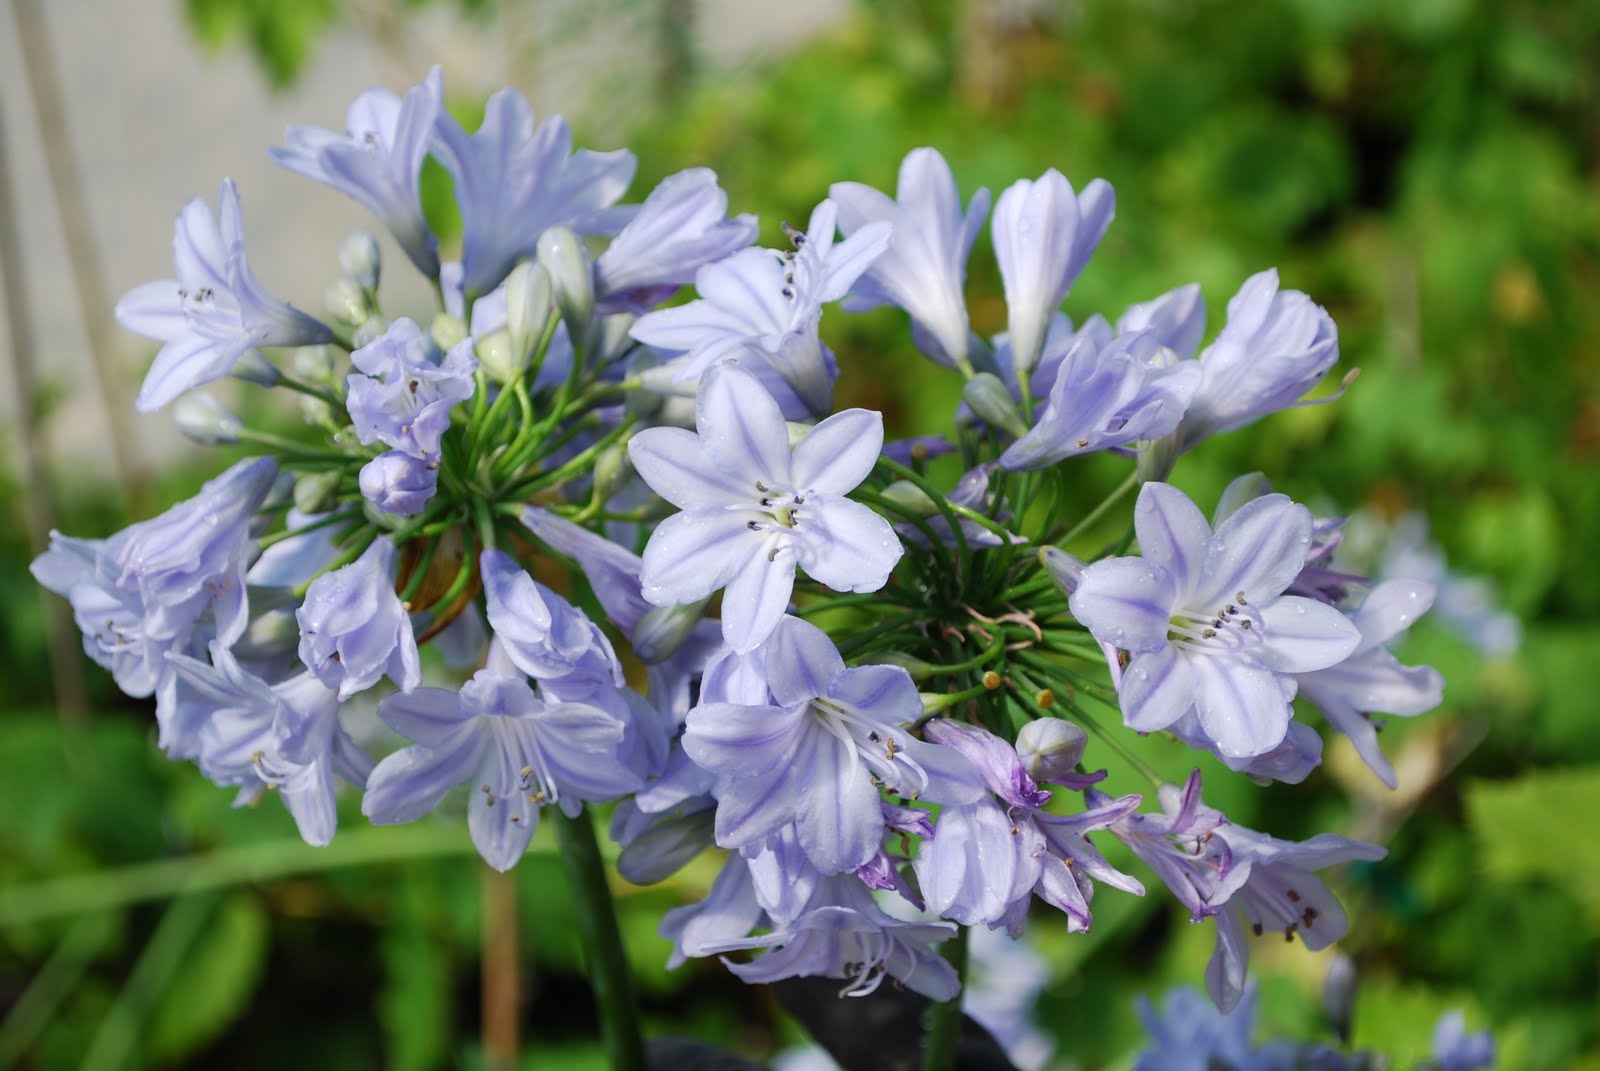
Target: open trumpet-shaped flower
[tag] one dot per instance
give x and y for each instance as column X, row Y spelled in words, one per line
column 753, row 508
column 1206, row 619
column 214, row 310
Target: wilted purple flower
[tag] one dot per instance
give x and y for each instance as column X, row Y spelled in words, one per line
column 816, row 755
column 1371, row 680
column 1180, row 845
column 214, row 311
column 924, row 267
column 399, row 483
column 1456, row 1050
column 541, row 633
column 517, row 751
column 1044, row 234
column 753, row 509
column 1275, row 346
column 513, row 181
column 1206, row 620
column 769, row 302
column 354, row 629
column 987, row 855
column 257, row 736
column 405, row 396
column 378, row 160
column 681, row 226
column 1130, row 389
column 142, row 592
column 1274, row 889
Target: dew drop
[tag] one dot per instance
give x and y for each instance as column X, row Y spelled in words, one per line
column 1300, row 609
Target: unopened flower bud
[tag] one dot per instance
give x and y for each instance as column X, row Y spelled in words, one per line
column 908, row 496
column 563, row 255
column 447, row 330
column 611, row 470
column 666, row 847
column 315, row 364
column 663, row 630
column 347, row 302
column 205, row 420
column 361, row 259
column 1050, row 748
column 399, row 484
column 529, row 306
column 918, row 669
column 495, row 358
column 991, row 400
column 254, row 368
column 367, row 333
column 316, row 492
column 1063, row 567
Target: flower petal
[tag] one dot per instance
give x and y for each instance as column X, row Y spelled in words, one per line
column 1172, row 531
column 846, row 546
column 673, row 462
column 1240, row 704
column 1303, row 635
column 1126, row 602
column 1156, row 689
column 1259, row 551
column 757, row 596
column 694, row 553
column 837, row 454
column 741, row 426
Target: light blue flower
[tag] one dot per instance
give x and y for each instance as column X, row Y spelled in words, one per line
column 1456, row 1050
column 1207, row 622
column 403, row 391
column 378, row 160
column 681, row 226
column 514, row 181
column 214, row 311
column 354, row 629
column 753, row 508
column 398, row 483
column 924, row 267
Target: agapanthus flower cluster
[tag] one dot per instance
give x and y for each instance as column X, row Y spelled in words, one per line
column 583, row 546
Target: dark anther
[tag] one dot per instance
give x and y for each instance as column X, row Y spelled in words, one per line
column 1294, row 897
column 754, row 526
column 1256, row 929
column 1245, row 623
column 1239, row 597
column 1208, row 633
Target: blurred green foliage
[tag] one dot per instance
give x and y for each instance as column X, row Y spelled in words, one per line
column 1426, row 170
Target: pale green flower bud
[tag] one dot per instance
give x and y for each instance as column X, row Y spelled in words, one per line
column 447, row 330
column 361, row 259
column 611, row 471
column 991, row 400
column 1050, row 748
column 529, row 306
column 367, row 333
column 911, row 498
column 316, row 492
column 496, row 359
column 918, row 669
column 314, row 364
column 571, row 278
column 347, row 302
column 254, row 368
column 205, row 420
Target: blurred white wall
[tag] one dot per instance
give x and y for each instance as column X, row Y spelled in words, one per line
column 154, row 121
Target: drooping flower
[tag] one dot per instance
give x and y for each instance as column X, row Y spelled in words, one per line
column 354, row 629
column 1044, row 234
column 816, row 754
column 1204, row 615
column 398, row 483
column 1276, row 346
column 516, row 751
column 681, row 226
column 768, row 302
column 1371, row 680
column 214, row 311
column 924, row 267
column 515, row 180
column 753, row 508
column 378, row 160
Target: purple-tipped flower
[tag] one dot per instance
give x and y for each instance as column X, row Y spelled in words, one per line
column 214, row 311
column 681, row 226
column 753, row 508
column 1130, row 389
column 1206, row 620
column 1276, row 345
column 405, row 396
column 515, row 751
column 1371, row 680
column 924, row 267
column 816, row 755
column 1044, row 234
column 354, row 629
column 771, row 303
column 378, row 160
column 513, row 181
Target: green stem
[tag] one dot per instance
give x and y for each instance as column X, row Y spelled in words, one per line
column 55, row 981
column 943, row 1036
column 1094, row 515
column 609, row 973
column 296, row 451
column 315, row 392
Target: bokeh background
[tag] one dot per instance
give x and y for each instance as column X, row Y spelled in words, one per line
column 1427, row 170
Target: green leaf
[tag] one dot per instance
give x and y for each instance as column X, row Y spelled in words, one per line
column 214, row 984
column 414, row 1005
column 1523, row 829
